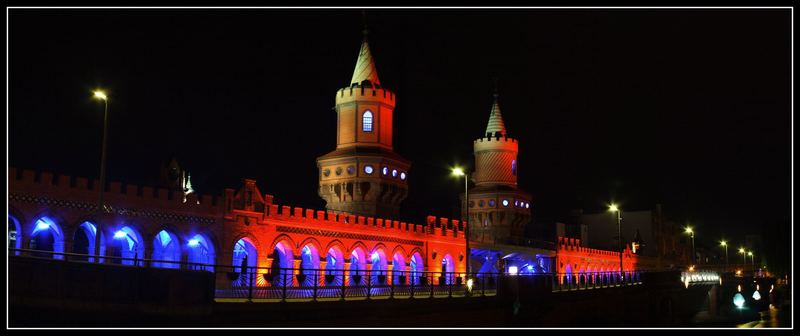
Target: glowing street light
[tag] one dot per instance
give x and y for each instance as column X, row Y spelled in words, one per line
column 752, row 259
column 101, row 95
column 725, row 244
column 744, row 255
column 691, row 233
column 458, row 171
column 613, row 208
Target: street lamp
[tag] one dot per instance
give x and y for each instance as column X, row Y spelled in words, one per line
column 691, row 233
column 613, row 208
column 752, row 259
column 101, row 95
column 744, row 255
column 725, row 244
column 458, row 171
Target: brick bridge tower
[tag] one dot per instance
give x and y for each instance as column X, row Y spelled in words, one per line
column 498, row 209
column 364, row 176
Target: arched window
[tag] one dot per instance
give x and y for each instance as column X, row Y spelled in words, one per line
column 514, row 167
column 366, row 121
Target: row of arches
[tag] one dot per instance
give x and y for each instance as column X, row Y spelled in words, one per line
column 126, row 246
column 357, row 265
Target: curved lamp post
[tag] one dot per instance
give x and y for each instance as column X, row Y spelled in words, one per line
column 458, row 171
column 613, row 208
column 691, row 233
column 101, row 95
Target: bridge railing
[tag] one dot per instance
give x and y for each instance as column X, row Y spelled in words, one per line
column 106, row 259
column 307, row 284
column 594, row 280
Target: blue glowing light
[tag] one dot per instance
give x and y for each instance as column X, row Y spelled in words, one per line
column 738, row 300
column 368, row 170
column 42, row 225
column 385, row 170
column 505, row 202
column 194, row 242
column 120, row 234
column 756, row 296
column 394, row 172
column 403, row 176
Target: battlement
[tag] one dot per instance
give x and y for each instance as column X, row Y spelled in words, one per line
column 365, row 91
column 434, row 226
column 24, row 180
column 574, row 245
column 496, row 142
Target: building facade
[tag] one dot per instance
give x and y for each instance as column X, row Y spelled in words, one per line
column 363, row 182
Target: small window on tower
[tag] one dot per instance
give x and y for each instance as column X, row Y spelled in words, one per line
column 367, row 121
column 514, row 167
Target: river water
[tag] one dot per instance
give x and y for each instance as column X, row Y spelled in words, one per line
column 772, row 318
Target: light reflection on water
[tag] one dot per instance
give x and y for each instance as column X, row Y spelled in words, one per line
column 769, row 319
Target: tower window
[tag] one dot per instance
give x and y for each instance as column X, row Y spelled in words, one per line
column 368, row 170
column 505, row 202
column 514, row 167
column 366, row 121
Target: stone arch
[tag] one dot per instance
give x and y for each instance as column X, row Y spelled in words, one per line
column 14, row 239
column 358, row 264
column 289, row 243
column 334, row 263
column 379, row 262
column 399, row 274
column 401, row 250
column 313, row 242
column 448, row 268
column 282, row 255
column 201, row 252
column 83, row 241
column 361, row 245
column 46, row 234
column 416, row 266
column 167, row 249
column 127, row 246
column 309, row 262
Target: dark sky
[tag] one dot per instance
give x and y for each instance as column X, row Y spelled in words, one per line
column 687, row 108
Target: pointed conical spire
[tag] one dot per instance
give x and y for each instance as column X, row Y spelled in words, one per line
column 365, row 65
column 496, row 123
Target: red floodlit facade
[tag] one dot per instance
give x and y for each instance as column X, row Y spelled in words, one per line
column 363, row 182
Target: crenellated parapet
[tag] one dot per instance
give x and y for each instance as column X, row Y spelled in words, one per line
column 365, row 91
column 75, row 188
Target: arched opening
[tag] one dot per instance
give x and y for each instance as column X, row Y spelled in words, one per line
column 127, row 247
column 47, row 236
column 167, row 249
column 448, row 267
column 379, row 263
column 399, row 269
column 334, row 267
column 309, row 262
column 14, row 234
column 416, row 268
column 568, row 273
column 201, row 251
column 83, row 241
column 282, row 264
column 366, row 121
column 358, row 265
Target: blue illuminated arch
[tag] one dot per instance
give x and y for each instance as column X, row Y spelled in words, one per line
column 334, row 266
column 129, row 245
column 282, row 264
column 416, row 267
column 14, row 233
column 358, row 265
column 379, row 266
column 201, row 251
column 448, row 267
column 47, row 236
column 84, row 239
column 309, row 261
column 167, row 248
column 398, row 268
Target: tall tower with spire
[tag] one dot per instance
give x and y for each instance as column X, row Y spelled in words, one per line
column 363, row 175
column 498, row 209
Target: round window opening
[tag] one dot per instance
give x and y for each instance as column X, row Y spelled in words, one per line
column 403, row 176
column 351, row 170
column 368, row 170
column 505, row 202
column 491, row 203
column 480, row 203
column 338, row 170
column 394, row 172
column 385, row 171
column 326, row 172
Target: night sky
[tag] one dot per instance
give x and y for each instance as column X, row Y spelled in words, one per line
column 687, row 108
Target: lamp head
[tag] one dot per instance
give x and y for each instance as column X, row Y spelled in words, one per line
column 750, row 253
column 100, row 94
column 120, row 234
column 723, row 243
column 458, row 171
column 741, row 250
column 613, row 208
column 689, row 230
